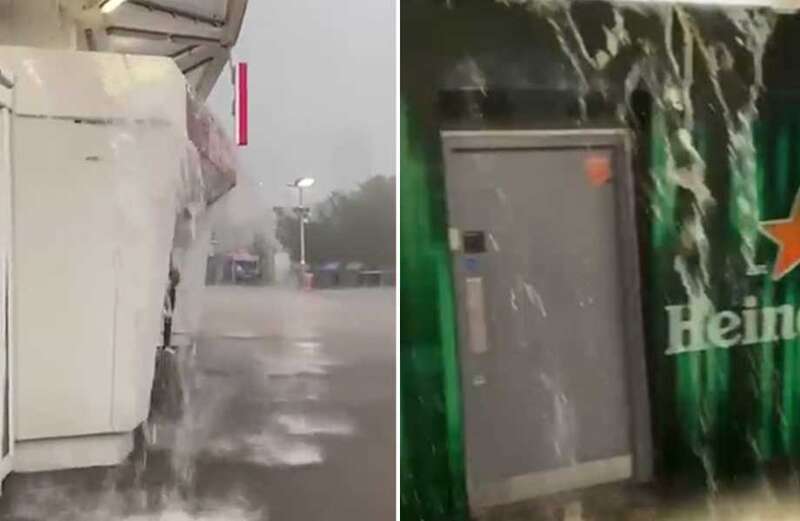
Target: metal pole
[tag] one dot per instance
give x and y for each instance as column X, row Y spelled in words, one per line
column 302, row 231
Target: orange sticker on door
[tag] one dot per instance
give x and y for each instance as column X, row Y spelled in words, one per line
column 598, row 169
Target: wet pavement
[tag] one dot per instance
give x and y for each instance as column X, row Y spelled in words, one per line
column 753, row 499
column 290, row 416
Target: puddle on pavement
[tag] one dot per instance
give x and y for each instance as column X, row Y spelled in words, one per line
column 311, row 345
column 288, row 436
column 295, row 363
column 59, row 500
column 295, row 389
column 179, row 515
column 315, row 424
column 268, row 449
column 241, row 335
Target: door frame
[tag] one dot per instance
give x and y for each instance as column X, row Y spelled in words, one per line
column 640, row 428
column 7, row 408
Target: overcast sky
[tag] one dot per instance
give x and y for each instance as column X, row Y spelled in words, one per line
column 322, row 80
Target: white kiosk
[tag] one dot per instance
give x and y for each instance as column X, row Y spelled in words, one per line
column 102, row 157
column 96, row 167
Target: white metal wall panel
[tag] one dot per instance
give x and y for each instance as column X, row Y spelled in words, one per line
column 145, row 230
column 95, row 206
column 98, row 86
column 6, row 288
column 64, row 279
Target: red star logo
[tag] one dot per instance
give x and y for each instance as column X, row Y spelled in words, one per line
column 786, row 234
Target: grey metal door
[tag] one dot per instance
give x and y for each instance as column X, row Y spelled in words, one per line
column 544, row 326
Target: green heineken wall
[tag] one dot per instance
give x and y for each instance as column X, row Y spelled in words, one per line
column 432, row 460
column 726, row 411
column 718, row 413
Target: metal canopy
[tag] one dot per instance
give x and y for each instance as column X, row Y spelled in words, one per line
column 198, row 34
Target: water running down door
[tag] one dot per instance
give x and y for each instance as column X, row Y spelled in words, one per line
column 548, row 340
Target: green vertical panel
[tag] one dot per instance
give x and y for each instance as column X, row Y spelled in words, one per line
column 764, row 369
column 775, row 384
column 687, row 388
column 663, row 236
column 790, row 392
column 432, row 462
column 679, row 379
column 726, row 410
column 765, row 354
column 452, row 381
column 780, row 188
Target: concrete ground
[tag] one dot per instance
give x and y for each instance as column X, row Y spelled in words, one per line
column 290, row 417
column 776, row 499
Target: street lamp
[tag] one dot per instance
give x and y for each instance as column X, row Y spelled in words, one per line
column 303, row 182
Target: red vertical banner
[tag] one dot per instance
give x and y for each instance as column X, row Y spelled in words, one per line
column 241, row 104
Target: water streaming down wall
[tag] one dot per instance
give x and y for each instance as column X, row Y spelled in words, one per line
column 100, row 203
column 710, row 98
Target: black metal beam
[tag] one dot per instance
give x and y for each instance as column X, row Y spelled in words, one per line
column 178, row 13
column 116, row 30
column 197, row 65
column 185, row 50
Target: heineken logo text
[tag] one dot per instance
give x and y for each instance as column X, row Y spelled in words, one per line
column 697, row 327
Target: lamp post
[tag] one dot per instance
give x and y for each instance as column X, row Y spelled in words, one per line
column 300, row 184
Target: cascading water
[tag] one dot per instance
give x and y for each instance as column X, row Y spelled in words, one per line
column 670, row 78
column 686, row 66
column 157, row 481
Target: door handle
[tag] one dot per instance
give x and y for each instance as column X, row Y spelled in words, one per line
column 476, row 316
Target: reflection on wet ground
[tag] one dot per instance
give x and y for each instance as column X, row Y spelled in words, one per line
column 758, row 500
column 290, row 416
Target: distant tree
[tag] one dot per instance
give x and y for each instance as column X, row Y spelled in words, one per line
column 354, row 226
